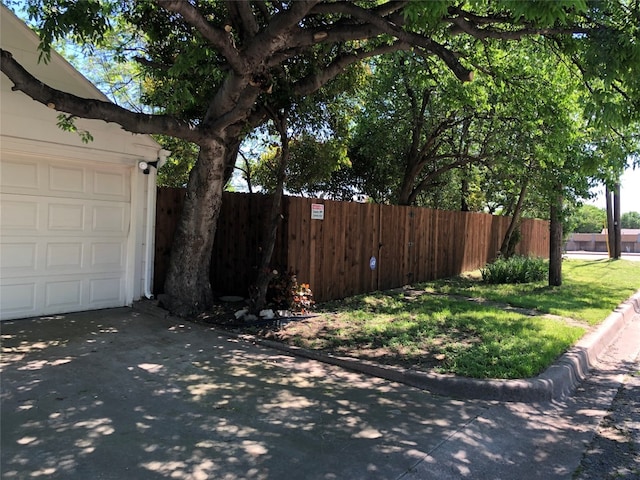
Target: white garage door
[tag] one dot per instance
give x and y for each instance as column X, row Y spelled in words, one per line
column 63, row 236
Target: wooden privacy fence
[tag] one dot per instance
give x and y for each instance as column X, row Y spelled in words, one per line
column 355, row 247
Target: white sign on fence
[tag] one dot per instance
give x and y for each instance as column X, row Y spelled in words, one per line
column 317, row 211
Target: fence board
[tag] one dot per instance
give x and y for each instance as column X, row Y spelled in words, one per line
column 169, row 202
column 410, row 244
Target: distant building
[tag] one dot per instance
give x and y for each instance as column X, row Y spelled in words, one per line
column 597, row 242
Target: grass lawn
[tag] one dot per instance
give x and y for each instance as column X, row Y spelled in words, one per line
column 429, row 326
column 590, row 289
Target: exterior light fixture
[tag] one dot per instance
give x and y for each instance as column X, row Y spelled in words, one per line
column 144, row 166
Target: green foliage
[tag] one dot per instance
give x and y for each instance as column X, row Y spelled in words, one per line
column 588, row 219
column 85, row 21
column 515, row 269
column 426, row 18
column 630, row 220
column 175, row 172
column 519, row 119
column 544, row 13
column 608, row 57
column 120, row 80
column 310, row 162
column 67, row 123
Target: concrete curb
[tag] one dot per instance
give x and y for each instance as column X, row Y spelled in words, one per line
column 557, row 382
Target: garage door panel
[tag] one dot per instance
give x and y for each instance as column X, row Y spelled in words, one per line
column 63, row 294
column 66, row 217
column 19, row 214
column 107, row 255
column 44, row 295
column 105, row 290
column 18, row 299
column 67, row 256
column 18, row 257
column 20, row 175
column 22, row 256
column 37, row 176
column 111, row 219
column 112, row 185
column 67, row 179
column 52, row 216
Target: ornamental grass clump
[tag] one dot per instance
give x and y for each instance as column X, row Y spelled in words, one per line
column 516, row 269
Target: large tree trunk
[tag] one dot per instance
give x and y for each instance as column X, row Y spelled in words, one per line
column 406, row 188
column 188, row 286
column 555, row 240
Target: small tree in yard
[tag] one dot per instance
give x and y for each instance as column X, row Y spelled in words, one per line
column 213, row 67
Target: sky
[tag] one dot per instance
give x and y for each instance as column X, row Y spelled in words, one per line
column 629, row 193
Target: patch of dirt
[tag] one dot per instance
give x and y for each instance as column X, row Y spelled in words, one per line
column 320, row 332
column 323, row 333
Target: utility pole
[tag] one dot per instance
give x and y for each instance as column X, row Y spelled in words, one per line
column 614, row 235
column 617, row 233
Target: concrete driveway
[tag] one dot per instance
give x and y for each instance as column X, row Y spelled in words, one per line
column 117, row 394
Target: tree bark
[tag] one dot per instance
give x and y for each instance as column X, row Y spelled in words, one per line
column 231, row 154
column 464, row 194
column 555, row 240
column 258, row 291
column 406, row 188
column 188, row 283
column 507, row 248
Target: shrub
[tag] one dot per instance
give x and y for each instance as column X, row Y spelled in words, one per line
column 284, row 292
column 516, row 269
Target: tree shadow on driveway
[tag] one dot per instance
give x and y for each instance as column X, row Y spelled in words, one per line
column 115, row 394
column 118, row 394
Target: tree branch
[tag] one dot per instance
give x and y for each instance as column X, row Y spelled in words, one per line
column 461, row 161
column 469, row 23
column 231, row 103
column 264, row 10
column 276, row 36
column 243, row 16
column 313, row 83
column 222, row 41
column 394, row 27
column 91, row 108
column 339, row 33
